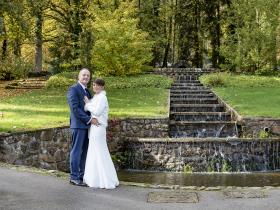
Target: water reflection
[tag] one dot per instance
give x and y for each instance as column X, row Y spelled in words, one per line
column 202, row 179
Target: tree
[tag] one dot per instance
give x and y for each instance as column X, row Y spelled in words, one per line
column 36, row 9
column 66, row 51
column 254, row 45
column 120, row 47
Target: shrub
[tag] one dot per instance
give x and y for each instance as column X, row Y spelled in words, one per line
column 140, row 81
column 65, row 79
column 58, row 81
column 14, row 69
column 215, row 80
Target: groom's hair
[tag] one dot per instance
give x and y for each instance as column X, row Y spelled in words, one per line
column 99, row 82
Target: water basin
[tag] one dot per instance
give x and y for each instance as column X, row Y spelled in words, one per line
column 256, row 179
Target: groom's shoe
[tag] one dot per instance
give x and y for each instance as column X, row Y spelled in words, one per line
column 77, row 183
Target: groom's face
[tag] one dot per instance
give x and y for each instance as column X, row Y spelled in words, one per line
column 84, row 77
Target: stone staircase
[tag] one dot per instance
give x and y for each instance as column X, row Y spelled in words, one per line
column 195, row 110
column 202, row 135
column 30, row 83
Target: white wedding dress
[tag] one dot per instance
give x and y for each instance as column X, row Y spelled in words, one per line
column 99, row 169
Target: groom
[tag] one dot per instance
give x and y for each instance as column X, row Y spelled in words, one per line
column 80, row 121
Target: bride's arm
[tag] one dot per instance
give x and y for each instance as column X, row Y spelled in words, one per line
column 98, row 108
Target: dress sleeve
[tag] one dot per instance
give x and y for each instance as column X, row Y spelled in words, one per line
column 98, row 107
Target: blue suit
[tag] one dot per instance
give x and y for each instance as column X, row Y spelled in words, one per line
column 79, row 120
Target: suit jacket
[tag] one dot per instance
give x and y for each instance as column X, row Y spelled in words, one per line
column 78, row 116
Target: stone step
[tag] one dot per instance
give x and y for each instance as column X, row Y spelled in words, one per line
column 187, row 77
column 31, row 83
column 189, row 88
column 186, row 70
column 185, row 73
column 196, row 107
column 175, row 95
column 212, row 100
column 190, row 91
column 200, row 116
column 187, row 84
column 202, row 129
column 187, row 81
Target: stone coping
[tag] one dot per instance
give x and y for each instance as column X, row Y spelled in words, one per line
column 193, row 140
column 261, row 118
column 236, row 116
column 3, row 134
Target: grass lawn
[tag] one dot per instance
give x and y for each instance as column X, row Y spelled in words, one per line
column 254, row 96
column 48, row 107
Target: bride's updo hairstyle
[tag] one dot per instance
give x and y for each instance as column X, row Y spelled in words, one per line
column 99, row 82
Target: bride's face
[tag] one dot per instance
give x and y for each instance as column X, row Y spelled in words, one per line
column 97, row 88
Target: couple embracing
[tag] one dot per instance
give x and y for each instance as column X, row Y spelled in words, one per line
column 90, row 161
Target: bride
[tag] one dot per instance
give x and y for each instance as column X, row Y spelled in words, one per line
column 99, row 169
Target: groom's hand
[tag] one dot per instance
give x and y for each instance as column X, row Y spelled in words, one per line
column 94, row 121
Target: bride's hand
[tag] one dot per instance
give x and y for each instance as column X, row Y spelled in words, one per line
column 86, row 100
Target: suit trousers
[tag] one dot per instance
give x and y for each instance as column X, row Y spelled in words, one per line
column 78, row 153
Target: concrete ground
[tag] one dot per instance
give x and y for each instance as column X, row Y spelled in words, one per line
column 28, row 190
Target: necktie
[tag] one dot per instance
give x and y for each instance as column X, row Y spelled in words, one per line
column 87, row 93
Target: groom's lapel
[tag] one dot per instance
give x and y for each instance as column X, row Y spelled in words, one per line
column 81, row 89
column 85, row 92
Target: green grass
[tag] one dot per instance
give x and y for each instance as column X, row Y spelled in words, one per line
column 48, row 107
column 255, row 96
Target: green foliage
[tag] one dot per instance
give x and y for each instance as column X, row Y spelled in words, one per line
column 187, row 169
column 58, row 81
column 226, row 166
column 253, row 41
column 66, row 79
column 120, row 48
column 263, row 134
column 215, row 80
column 14, row 69
column 224, row 79
column 139, row 81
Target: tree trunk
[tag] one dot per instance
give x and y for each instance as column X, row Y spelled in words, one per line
column 4, row 48
column 17, row 49
column 5, row 41
column 215, row 42
column 166, row 51
column 38, row 42
column 197, row 56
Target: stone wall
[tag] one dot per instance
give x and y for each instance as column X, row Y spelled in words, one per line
column 49, row 148
column 253, row 127
column 204, row 155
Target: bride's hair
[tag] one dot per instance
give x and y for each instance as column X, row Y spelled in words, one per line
column 99, row 82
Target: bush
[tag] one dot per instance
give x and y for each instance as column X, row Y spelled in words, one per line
column 66, row 79
column 14, row 69
column 216, row 79
column 140, row 81
column 58, row 81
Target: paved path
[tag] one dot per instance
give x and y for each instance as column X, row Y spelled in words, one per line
column 26, row 190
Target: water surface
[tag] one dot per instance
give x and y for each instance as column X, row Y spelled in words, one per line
column 256, row 179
